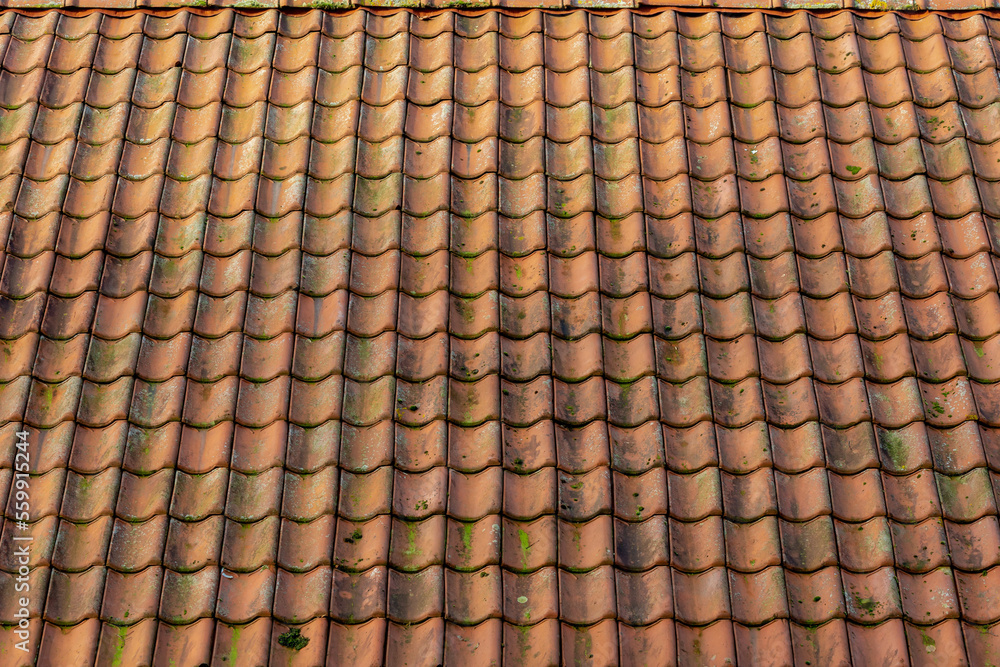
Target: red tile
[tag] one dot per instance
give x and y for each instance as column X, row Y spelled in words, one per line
column 886, row 642
column 642, row 643
column 713, row 644
column 361, row 644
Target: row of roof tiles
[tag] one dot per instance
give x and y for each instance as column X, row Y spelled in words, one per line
column 734, row 404
column 470, row 6
column 470, row 598
column 908, row 495
column 435, row 642
column 807, row 540
column 743, row 545
column 378, row 24
column 201, row 44
column 777, row 362
column 952, row 450
column 162, row 253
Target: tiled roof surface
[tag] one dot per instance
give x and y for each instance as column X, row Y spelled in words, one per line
column 530, row 338
column 874, row 5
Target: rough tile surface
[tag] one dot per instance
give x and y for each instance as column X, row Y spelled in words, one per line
column 531, row 339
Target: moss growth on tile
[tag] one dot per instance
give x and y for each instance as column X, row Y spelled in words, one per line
column 866, row 605
column 525, row 544
column 467, row 540
column 626, row 391
column 389, row 3
column 364, row 351
column 605, row 4
column 116, row 660
column 48, row 395
column 329, row 5
column 252, row 4
column 953, row 489
column 466, row 310
column 894, row 446
column 293, row 639
column 810, row 5
column 615, row 228
column 622, row 321
column 234, row 651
